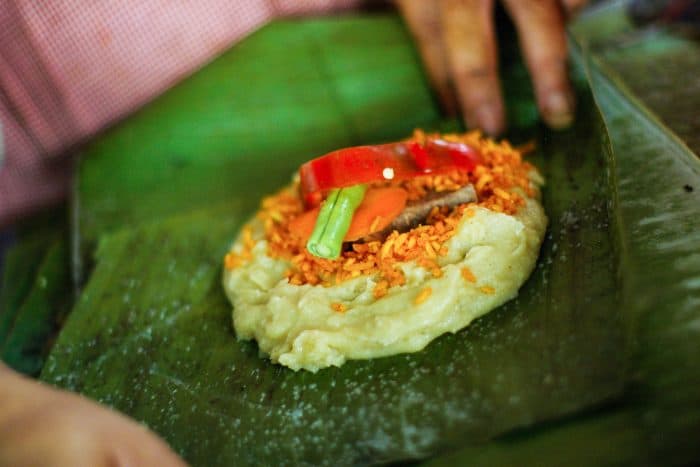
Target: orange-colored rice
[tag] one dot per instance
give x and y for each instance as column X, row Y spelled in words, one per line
column 468, row 275
column 338, row 307
column 502, row 170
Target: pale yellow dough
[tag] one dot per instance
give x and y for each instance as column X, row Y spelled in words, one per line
column 296, row 326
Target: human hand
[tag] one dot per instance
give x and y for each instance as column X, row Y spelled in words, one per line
column 457, row 42
column 41, row 426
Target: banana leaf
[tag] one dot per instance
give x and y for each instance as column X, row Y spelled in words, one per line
column 658, row 64
column 31, row 240
column 656, row 179
column 30, row 335
column 20, row 264
column 151, row 333
column 657, row 227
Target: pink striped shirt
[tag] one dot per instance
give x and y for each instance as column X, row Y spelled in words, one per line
column 68, row 68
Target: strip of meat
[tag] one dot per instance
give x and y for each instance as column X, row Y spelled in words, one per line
column 416, row 213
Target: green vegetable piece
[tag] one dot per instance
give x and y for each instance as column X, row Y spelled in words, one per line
column 334, row 221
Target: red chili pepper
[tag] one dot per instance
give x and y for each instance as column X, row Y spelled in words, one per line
column 394, row 161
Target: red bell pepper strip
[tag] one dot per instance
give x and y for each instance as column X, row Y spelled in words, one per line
column 420, row 156
column 393, row 161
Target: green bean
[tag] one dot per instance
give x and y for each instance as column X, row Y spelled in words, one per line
column 334, row 221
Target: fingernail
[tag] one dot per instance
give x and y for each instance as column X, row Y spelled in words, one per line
column 488, row 119
column 558, row 112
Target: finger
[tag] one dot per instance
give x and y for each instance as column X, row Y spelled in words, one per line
column 136, row 445
column 116, row 440
column 471, row 50
column 142, row 450
column 423, row 20
column 573, row 7
column 540, row 25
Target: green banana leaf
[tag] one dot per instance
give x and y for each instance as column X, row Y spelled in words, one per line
column 35, row 291
column 657, row 198
column 38, row 318
column 163, row 194
column 19, row 270
column 659, row 66
column 656, row 202
column 646, row 83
